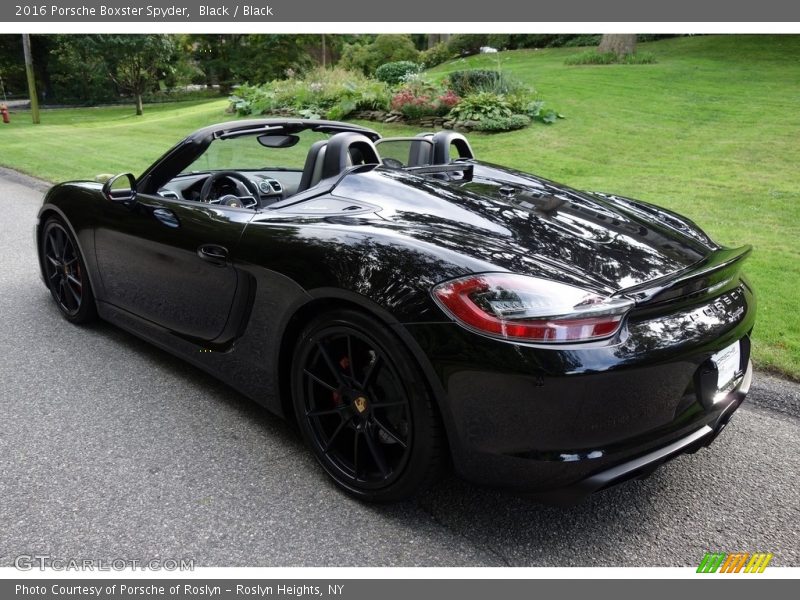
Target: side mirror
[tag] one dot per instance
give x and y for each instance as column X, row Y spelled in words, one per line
column 121, row 188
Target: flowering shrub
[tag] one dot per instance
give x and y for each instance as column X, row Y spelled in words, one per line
column 419, row 99
column 449, row 99
column 394, row 72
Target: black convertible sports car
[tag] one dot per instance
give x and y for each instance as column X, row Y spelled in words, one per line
column 411, row 306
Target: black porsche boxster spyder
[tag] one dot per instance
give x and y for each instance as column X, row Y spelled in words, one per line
column 411, row 306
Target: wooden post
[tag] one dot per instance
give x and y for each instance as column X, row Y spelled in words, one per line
column 26, row 47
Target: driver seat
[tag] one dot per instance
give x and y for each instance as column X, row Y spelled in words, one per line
column 330, row 158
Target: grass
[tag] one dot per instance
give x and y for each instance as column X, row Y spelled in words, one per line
column 592, row 57
column 712, row 130
column 79, row 143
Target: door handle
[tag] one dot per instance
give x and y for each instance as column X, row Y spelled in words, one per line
column 214, row 254
column 167, row 217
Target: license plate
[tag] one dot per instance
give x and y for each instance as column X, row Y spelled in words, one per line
column 727, row 362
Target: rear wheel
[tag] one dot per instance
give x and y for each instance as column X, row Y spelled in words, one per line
column 363, row 408
column 65, row 273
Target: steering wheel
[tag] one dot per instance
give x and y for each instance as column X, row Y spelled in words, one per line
column 212, row 179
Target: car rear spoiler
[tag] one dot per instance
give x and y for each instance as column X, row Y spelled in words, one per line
column 715, row 274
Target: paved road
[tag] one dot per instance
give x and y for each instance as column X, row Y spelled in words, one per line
column 110, row 448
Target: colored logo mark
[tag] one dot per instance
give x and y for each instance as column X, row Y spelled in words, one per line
column 736, row 562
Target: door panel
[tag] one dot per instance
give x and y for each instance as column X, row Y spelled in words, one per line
column 168, row 261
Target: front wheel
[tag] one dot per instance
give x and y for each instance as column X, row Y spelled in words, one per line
column 363, row 408
column 65, row 273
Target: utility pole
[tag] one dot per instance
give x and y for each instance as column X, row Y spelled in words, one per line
column 26, row 47
column 324, row 52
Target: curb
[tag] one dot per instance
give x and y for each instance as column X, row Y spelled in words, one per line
column 40, row 185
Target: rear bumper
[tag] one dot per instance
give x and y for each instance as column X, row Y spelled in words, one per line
column 642, row 466
column 561, row 423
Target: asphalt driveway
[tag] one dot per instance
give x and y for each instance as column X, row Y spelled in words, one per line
column 110, row 448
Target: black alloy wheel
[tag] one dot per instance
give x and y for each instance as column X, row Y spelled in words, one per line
column 363, row 408
column 65, row 273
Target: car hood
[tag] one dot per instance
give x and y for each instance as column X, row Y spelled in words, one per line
column 513, row 221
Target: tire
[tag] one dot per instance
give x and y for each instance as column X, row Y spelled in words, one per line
column 363, row 408
column 65, row 273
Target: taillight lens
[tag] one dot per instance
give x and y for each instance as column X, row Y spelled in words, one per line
column 529, row 309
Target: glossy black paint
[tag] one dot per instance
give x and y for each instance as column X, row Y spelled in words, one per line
column 228, row 289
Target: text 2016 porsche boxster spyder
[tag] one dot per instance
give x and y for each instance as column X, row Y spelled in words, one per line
column 411, row 306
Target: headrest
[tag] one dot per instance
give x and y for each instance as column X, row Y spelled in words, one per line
column 346, row 149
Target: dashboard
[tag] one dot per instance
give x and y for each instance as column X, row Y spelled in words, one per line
column 272, row 185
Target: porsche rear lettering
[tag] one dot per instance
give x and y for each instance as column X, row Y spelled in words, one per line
column 719, row 308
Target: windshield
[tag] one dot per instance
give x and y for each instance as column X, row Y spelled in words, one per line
column 245, row 153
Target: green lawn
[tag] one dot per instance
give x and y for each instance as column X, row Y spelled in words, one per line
column 712, row 130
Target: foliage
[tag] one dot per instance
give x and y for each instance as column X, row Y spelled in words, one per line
column 135, row 62
column 12, row 65
column 482, row 105
column 395, row 72
column 436, row 55
column 465, row 44
column 499, row 41
column 101, row 68
column 229, row 59
column 494, row 101
column 541, row 40
column 509, row 123
column 384, row 48
column 584, row 39
column 537, row 112
column 532, row 107
column 471, row 81
column 78, row 72
column 419, row 99
column 333, row 93
column 592, row 57
column 179, row 95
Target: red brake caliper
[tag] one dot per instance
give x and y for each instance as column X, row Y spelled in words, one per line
column 344, row 364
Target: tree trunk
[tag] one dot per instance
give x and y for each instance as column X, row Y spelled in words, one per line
column 139, row 106
column 437, row 38
column 619, row 44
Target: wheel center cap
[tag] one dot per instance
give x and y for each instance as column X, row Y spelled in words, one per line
column 361, row 404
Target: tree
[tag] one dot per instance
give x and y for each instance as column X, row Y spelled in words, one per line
column 136, row 62
column 618, row 43
column 12, row 67
column 437, row 38
column 384, row 48
column 79, row 72
column 228, row 59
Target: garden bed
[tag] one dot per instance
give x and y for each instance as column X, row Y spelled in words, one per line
column 482, row 100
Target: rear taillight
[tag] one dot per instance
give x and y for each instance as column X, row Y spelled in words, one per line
column 529, row 309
